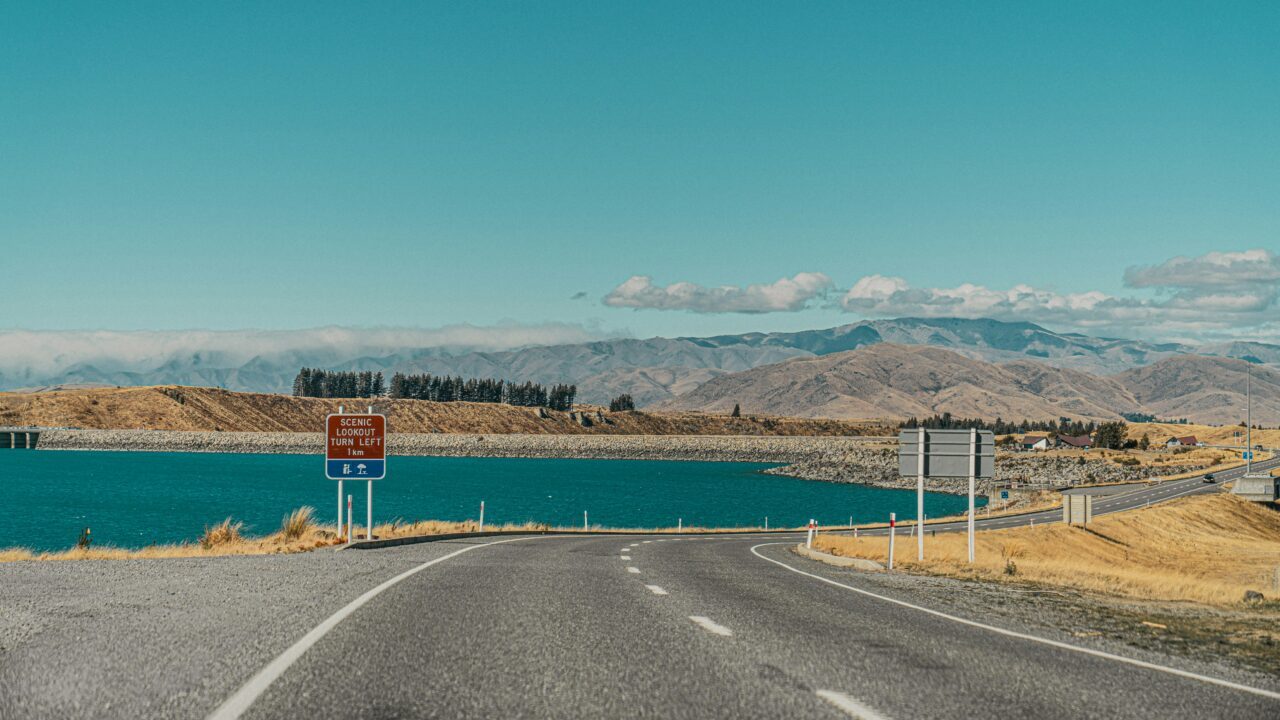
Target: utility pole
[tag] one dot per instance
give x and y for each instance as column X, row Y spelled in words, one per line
column 1248, row 414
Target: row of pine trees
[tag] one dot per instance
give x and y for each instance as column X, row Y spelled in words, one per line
column 314, row 382
column 946, row 421
column 442, row 388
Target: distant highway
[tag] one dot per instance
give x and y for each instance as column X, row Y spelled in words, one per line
column 1126, row 500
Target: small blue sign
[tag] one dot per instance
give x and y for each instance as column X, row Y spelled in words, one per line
column 1247, row 455
column 1004, row 494
column 355, row 469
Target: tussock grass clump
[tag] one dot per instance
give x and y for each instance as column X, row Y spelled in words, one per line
column 224, row 533
column 297, row 523
column 1207, row 549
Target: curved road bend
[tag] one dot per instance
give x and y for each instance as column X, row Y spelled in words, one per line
column 702, row 628
column 1102, row 505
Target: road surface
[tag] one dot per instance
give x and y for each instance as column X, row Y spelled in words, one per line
column 566, row 627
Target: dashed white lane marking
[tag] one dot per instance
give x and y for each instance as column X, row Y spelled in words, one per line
column 656, row 590
column 850, row 706
column 633, row 570
column 235, row 705
column 646, row 542
column 624, row 557
column 711, row 626
column 755, row 550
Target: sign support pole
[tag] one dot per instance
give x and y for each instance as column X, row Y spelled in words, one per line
column 920, row 499
column 370, row 508
column 340, row 498
column 973, row 480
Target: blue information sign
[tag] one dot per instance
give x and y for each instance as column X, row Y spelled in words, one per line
column 356, row 469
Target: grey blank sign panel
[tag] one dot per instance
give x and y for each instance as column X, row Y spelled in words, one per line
column 946, row 453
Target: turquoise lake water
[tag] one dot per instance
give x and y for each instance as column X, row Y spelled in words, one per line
column 136, row 499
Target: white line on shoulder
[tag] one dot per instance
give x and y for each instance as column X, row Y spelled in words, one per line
column 1024, row 636
column 235, row 705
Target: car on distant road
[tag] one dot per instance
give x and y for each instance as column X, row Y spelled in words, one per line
column 1209, row 478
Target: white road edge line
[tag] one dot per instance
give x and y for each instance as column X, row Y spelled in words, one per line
column 633, row 570
column 850, row 706
column 711, row 626
column 235, row 705
column 656, row 590
column 1025, row 636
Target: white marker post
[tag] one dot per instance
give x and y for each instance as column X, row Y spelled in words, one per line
column 973, row 479
column 893, row 522
column 766, row 522
column 680, row 524
column 808, row 543
column 349, row 533
column 481, row 516
column 585, row 526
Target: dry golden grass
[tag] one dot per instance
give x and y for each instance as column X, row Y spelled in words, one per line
column 224, row 533
column 297, row 523
column 1207, row 549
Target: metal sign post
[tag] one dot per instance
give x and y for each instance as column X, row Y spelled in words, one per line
column 946, row 454
column 920, row 498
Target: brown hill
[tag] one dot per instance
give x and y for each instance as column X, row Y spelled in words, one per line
column 1205, row 389
column 889, row 380
column 209, row 409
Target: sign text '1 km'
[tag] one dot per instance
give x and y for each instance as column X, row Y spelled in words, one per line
column 355, row 447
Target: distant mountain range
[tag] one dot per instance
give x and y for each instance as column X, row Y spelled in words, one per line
column 656, row 370
column 898, row 381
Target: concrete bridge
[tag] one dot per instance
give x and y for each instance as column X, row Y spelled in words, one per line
column 18, row 438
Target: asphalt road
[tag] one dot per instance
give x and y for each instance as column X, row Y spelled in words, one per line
column 567, row 627
column 701, row 628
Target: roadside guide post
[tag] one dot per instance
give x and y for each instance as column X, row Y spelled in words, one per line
column 893, row 522
column 481, row 516
column 356, row 448
column 585, row 526
column 349, row 519
column 808, row 543
column 679, row 524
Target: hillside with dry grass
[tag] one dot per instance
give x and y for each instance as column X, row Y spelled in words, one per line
column 211, row 409
column 1205, row 549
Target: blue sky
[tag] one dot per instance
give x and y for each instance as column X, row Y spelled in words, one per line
column 220, row 165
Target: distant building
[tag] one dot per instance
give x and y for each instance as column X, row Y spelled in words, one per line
column 1084, row 442
column 1188, row 441
column 1034, row 442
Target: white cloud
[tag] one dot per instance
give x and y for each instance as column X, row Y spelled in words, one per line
column 785, row 295
column 1211, row 270
column 45, row 353
column 1215, row 295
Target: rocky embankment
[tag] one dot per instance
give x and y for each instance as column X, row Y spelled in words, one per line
column 779, row 449
column 878, row 466
column 832, row 459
